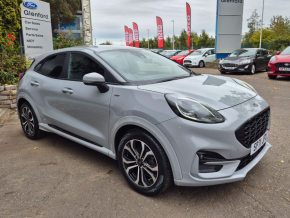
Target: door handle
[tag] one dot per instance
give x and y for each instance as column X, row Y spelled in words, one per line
column 67, row 90
column 34, row 83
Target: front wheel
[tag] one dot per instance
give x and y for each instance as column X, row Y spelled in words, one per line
column 144, row 163
column 253, row 69
column 272, row 76
column 201, row 64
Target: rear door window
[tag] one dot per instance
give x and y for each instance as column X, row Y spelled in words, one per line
column 53, row 66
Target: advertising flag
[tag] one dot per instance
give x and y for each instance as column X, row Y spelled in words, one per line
column 130, row 37
column 188, row 17
column 136, row 34
column 160, row 32
column 127, row 36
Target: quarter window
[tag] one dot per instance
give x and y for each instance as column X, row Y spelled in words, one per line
column 53, row 66
column 80, row 65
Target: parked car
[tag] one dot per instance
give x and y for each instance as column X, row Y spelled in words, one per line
column 170, row 53
column 279, row 65
column 180, row 56
column 246, row 60
column 157, row 51
column 162, row 122
column 199, row 58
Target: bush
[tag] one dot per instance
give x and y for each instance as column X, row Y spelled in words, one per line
column 12, row 63
column 66, row 40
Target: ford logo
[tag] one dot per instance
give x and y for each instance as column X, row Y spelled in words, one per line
column 30, row 5
column 287, row 65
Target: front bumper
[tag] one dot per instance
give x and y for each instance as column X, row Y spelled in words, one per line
column 192, row 63
column 188, row 138
column 272, row 70
column 237, row 68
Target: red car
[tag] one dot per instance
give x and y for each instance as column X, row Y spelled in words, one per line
column 279, row 65
column 180, row 57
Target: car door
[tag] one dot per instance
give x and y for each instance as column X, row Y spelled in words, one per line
column 84, row 111
column 267, row 57
column 210, row 56
column 260, row 60
column 43, row 87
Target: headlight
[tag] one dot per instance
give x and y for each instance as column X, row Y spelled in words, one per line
column 247, row 61
column 221, row 61
column 179, row 59
column 246, row 85
column 193, row 110
column 273, row 59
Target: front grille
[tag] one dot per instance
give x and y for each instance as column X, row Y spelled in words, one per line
column 230, row 65
column 253, row 129
column 187, row 61
column 282, row 72
column 248, row 159
column 278, row 65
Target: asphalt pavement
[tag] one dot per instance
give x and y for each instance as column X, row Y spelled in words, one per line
column 55, row 177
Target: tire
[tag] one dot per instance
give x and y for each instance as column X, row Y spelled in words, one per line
column 223, row 72
column 201, row 64
column 153, row 166
column 272, row 76
column 29, row 122
column 253, row 69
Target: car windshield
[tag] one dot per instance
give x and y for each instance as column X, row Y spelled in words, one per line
column 168, row 52
column 183, row 53
column 286, row 51
column 243, row 53
column 197, row 52
column 143, row 67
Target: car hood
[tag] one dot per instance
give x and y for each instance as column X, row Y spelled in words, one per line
column 193, row 57
column 282, row 58
column 215, row 91
column 177, row 57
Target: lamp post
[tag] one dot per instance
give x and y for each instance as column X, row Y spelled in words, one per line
column 262, row 24
column 173, row 35
column 148, row 38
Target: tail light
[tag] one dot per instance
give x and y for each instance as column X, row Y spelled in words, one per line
column 20, row 75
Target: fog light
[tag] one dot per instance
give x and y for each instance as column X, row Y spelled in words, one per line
column 270, row 69
column 205, row 157
column 246, row 67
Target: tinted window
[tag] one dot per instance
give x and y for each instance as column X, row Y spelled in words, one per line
column 80, row 64
column 243, row 53
column 260, row 52
column 265, row 52
column 53, row 66
column 38, row 66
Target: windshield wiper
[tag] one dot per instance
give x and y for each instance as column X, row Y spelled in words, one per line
column 173, row 78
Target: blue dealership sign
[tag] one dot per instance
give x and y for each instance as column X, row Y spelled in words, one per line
column 30, row 5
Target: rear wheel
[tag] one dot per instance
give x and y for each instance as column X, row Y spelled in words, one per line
column 272, row 76
column 201, row 64
column 29, row 122
column 144, row 163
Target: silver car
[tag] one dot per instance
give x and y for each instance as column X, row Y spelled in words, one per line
column 161, row 121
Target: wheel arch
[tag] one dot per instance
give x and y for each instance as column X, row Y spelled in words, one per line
column 126, row 123
column 21, row 98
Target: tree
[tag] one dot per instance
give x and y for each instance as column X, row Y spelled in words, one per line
column 107, row 43
column 168, row 42
column 253, row 24
column 203, row 39
column 62, row 12
column 267, row 36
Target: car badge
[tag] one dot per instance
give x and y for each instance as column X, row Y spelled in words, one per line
column 255, row 105
column 287, row 65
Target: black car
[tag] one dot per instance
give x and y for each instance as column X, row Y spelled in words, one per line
column 247, row 60
column 157, row 51
column 170, row 53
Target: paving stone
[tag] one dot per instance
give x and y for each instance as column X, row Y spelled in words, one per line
column 5, row 106
column 13, row 92
column 6, row 102
column 12, row 97
column 5, row 93
column 10, row 87
column 3, row 97
column 14, row 101
column 1, row 88
column 13, row 106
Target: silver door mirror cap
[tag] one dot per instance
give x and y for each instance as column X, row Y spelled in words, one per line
column 96, row 79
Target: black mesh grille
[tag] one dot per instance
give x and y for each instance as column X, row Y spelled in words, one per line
column 187, row 61
column 253, row 129
column 249, row 158
column 230, row 65
column 282, row 65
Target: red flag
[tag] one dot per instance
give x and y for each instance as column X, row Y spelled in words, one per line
column 130, row 37
column 160, row 32
column 188, row 16
column 127, row 36
column 136, row 34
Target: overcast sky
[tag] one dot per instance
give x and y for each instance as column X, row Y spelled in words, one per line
column 109, row 17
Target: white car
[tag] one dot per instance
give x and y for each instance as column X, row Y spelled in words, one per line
column 200, row 57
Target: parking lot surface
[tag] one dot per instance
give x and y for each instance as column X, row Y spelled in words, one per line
column 55, row 177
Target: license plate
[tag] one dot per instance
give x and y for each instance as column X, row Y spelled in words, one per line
column 230, row 68
column 284, row 69
column 259, row 143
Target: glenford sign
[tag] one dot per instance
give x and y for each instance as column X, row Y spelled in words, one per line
column 36, row 28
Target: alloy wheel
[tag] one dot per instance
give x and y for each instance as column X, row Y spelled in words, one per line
column 27, row 121
column 201, row 65
column 140, row 163
column 253, row 69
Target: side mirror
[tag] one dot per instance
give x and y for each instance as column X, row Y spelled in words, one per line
column 278, row 52
column 95, row 79
column 205, row 55
column 258, row 55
